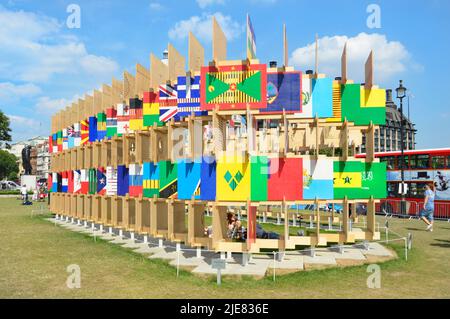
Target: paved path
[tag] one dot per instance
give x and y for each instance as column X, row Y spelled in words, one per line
column 199, row 261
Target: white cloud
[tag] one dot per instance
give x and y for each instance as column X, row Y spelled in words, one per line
column 46, row 105
column 35, row 48
column 22, row 121
column 10, row 91
column 24, row 127
column 155, row 6
column 201, row 26
column 390, row 57
column 205, row 3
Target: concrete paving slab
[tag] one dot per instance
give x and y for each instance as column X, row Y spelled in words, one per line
column 376, row 249
column 295, row 262
column 107, row 236
column 191, row 262
column 347, row 254
column 322, row 260
column 233, row 269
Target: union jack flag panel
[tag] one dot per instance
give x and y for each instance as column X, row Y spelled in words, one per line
column 167, row 102
column 188, row 89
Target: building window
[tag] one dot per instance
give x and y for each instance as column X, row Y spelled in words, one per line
column 382, row 142
column 390, row 162
column 438, row 162
column 382, row 131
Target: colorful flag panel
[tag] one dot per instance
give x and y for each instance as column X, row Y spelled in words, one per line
column 168, row 179
column 150, row 180
column 111, row 122
column 188, row 98
column 189, row 173
column 167, row 102
column 233, row 178
column 362, row 114
column 208, row 178
column 122, row 180
column 318, row 179
column 234, row 87
column 285, row 179
column 102, row 181
column 135, row 172
column 359, row 180
column 111, row 181
column 92, row 129
column 284, row 92
column 101, row 126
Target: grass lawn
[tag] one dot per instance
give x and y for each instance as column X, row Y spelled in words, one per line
column 34, row 256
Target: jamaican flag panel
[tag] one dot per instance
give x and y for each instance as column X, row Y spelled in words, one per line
column 168, row 179
column 233, row 87
column 359, row 180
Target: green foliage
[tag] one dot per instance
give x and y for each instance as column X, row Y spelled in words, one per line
column 5, row 130
column 8, row 165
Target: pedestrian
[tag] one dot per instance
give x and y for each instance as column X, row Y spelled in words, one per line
column 23, row 191
column 428, row 207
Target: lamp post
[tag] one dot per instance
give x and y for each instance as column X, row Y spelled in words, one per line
column 401, row 93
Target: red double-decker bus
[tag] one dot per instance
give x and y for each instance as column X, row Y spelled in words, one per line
column 421, row 167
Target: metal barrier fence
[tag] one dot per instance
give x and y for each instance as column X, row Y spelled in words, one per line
column 411, row 209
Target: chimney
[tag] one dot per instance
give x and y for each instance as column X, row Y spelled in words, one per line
column 389, row 96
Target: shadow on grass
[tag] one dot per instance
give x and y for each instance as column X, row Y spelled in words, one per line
column 444, row 243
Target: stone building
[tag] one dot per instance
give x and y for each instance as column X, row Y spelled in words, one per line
column 387, row 137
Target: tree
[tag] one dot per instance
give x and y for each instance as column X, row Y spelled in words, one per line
column 8, row 165
column 5, row 130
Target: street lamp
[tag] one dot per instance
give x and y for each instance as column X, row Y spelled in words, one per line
column 401, row 93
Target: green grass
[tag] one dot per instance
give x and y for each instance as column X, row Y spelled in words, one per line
column 34, row 256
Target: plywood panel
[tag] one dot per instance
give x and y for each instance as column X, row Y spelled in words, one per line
column 177, row 64
column 196, row 54
column 106, row 98
column 142, row 80
column 219, row 42
column 159, row 72
column 129, row 87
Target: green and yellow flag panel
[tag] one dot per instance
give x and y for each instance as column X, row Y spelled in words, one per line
column 359, row 180
column 360, row 105
column 234, row 87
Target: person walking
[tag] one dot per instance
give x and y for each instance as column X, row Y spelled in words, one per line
column 428, row 208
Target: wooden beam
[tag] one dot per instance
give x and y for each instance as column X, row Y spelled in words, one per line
column 316, row 69
column 344, row 64
column 285, row 47
column 369, row 72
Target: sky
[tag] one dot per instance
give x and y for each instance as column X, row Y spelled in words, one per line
column 46, row 63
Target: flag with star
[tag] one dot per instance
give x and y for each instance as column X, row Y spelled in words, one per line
column 234, row 87
column 361, row 180
column 101, row 181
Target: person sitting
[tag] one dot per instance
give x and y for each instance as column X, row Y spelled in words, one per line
column 262, row 234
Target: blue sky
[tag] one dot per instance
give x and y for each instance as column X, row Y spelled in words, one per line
column 44, row 65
